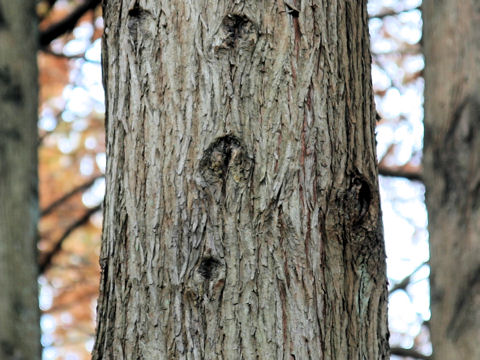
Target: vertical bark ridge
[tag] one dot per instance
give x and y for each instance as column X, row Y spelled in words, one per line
column 242, row 160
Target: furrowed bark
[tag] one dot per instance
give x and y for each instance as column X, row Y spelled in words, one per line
column 242, row 212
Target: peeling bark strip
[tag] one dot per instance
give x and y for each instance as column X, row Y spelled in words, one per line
column 452, row 174
column 242, row 209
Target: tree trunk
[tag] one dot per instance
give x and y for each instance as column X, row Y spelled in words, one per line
column 19, row 314
column 452, row 174
column 242, row 212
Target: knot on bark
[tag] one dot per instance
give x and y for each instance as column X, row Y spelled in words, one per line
column 358, row 199
column 137, row 22
column 208, row 266
column 226, row 156
column 238, row 31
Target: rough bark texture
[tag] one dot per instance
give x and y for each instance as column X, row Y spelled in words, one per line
column 19, row 315
column 452, row 174
column 242, row 209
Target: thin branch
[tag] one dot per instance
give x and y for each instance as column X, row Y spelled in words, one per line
column 68, row 195
column 42, row 137
column 47, row 260
column 413, row 49
column 399, row 172
column 402, row 285
column 69, row 57
column 65, row 306
column 66, row 24
column 409, row 353
column 50, row 4
column 392, row 13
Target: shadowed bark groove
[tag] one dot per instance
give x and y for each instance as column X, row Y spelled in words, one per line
column 242, row 209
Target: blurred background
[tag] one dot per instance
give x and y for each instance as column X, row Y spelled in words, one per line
column 72, row 164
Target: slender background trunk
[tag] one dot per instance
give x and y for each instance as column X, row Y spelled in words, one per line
column 242, row 209
column 19, row 314
column 452, row 174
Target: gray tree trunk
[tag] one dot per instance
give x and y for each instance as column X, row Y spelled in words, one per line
column 19, row 314
column 242, row 210
column 452, row 174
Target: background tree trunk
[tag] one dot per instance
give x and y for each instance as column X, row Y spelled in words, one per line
column 452, row 174
column 242, row 209
column 19, row 314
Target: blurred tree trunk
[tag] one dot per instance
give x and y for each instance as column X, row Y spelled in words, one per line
column 242, row 209
column 19, row 314
column 452, row 174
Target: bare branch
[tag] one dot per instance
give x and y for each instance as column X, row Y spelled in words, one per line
column 409, row 353
column 47, row 260
column 402, row 285
column 415, row 49
column 391, row 13
column 65, row 306
column 67, row 24
column 400, row 172
column 69, row 57
column 50, row 5
column 68, row 195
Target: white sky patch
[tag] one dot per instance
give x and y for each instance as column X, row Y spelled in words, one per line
column 414, row 63
column 91, row 143
column 45, row 294
column 80, row 125
column 381, row 81
column 404, row 321
column 419, row 290
column 94, row 51
column 391, row 106
column 75, row 47
column 48, row 353
column 72, row 356
column 47, row 323
column 47, row 121
column 68, row 116
column 89, row 344
column 94, row 196
column 66, row 318
column 67, row 144
column 410, row 32
column 101, row 160
column 83, row 31
column 79, row 102
column 87, row 165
